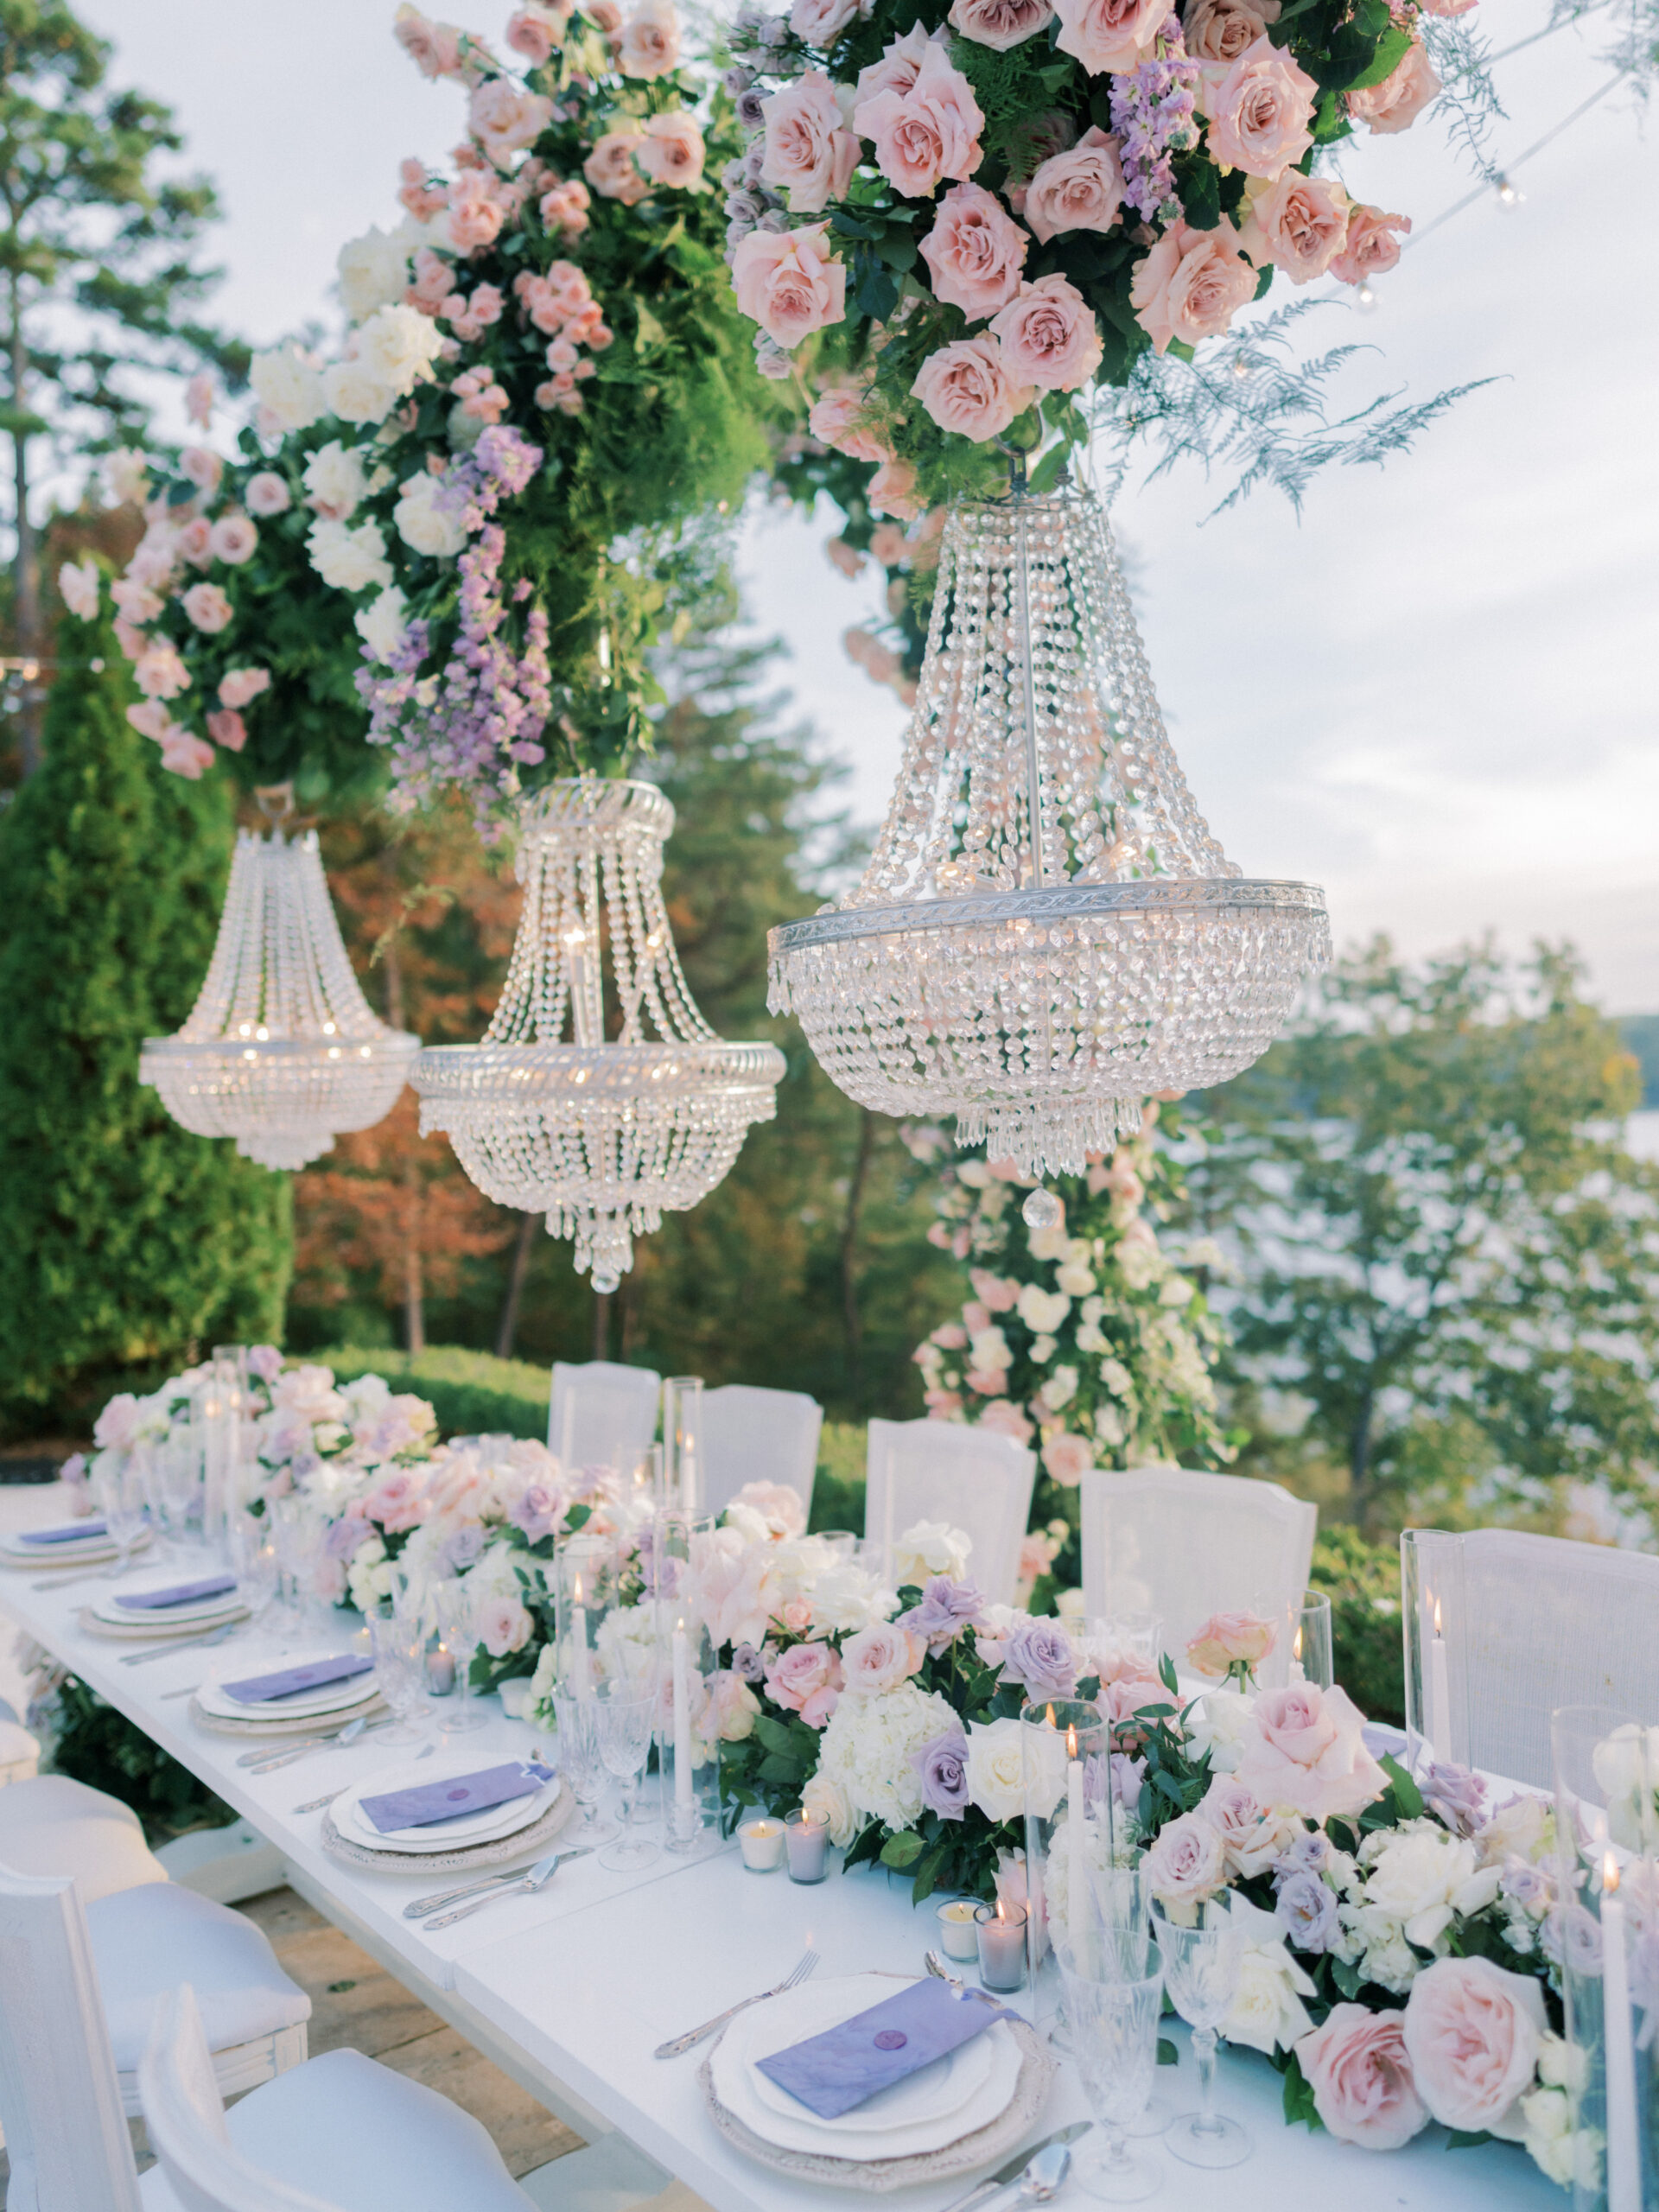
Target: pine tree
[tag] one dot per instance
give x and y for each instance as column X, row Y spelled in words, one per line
column 127, row 1246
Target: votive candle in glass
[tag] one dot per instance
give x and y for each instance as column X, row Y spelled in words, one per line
column 440, row 1672
column 958, row 1934
column 806, row 1837
column 1000, row 1932
column 761, row 1843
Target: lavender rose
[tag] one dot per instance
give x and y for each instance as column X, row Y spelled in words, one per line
column 943, row 1765
column 1306, row 1909
column 946, row 1609
column 462, row 1549
column 1040, row 1653
column 1457, row 1795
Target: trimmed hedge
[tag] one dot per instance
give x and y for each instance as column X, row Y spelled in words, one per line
column 473, row 1393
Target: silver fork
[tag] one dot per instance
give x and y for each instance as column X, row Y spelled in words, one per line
column 805, row 1966
column 185, row 1644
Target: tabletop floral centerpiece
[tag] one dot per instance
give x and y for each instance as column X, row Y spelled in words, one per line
column 979, row 216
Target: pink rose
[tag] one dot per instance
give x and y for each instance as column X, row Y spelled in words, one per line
column 929, row 132
column 966, row 388
column 1191, row 286
column 434, row 48
column 1219, row 30
column 1447, row 7
column 1259, row 111
column 159, row 672
column 1068, row 1460
column 185, row 754
column 207, row 608
column 1357, row 2068
column 777, row 1505
column 990, row 1383
column 649, row 44
column 1229, row 1640
column 1050, row 337
column 1251, row 1836
column 671, row 151
column 226, row 728
column 1298, row 225
column 1109, row 34
column 949, row 1336
column 806, row 1676
column 809, row 153
column 195, row 542
column 975, row 253
column 790, row 282
column 896, row 72
column 1121, row 1699
column 503, row 117
column 202, row 466
column 838, row 420
column 136, row 601
column 233, row 539
column 609, row 168
column 1005, row 1419
column 267, row 493
column 474, row 220
column 845, row 558
column 820, row 22
column 1471, row 2032
column 537, row 32
column 1185, row 1865
column 505, row 1626
column 1081, row 190
column 1001, row 23
column 1369, row 247
column 1309, row 1756
column 239, row 686
column 1396, row 103
column 397, row 1504
column 880, row 1657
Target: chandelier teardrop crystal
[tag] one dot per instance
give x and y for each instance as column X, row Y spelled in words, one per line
column 1046, row 931
column 281, row 1050
column 602, row 1137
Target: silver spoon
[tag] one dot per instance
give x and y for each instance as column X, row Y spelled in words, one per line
column 273, row 1757
column 1045, row 2176
column 540, row 1874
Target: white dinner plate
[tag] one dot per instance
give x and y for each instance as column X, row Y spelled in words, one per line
column 331, row 1698
column 485, row 1827
column 193, row 1614
column 955, row 2096
column 77, row 1551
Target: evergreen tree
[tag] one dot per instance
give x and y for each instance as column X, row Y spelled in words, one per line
column 127, row 1246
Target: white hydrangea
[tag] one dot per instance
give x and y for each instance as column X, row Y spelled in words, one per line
column 368, row 1579
column 869, row 1751
column 423, row 522
column 349, row 559
column 381, row 625
column 335, row 478
column 373, row 272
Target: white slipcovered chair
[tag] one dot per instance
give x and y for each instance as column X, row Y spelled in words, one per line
column 51, row 1825
column 20, row 1753
column 751, row 1435
column 602, row 1414
column 973, row 1478
column 1183, row 1545
column 1529, row 1624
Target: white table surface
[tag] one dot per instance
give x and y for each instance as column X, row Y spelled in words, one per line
column 574, row 1988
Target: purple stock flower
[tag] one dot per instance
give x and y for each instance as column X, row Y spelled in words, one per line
column 1041, row 1655
column 1152, row 113
column 945, row 1609
column 536, row 1512
column 943, row 1765
column 462, row 1549
column 1305, row 1908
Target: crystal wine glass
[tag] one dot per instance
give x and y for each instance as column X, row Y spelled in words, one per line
column 583, row 1763
column 625, row 1719
column 1201, row 1966
column 398, row 1642
column 253, row 1560
column 457, row 1617
column 1113, row 2021
column 121, row 1495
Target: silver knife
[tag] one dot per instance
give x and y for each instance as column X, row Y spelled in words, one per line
column 421, row 1906
column 1016, row 2165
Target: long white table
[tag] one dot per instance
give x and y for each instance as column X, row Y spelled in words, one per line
column 571, row 1991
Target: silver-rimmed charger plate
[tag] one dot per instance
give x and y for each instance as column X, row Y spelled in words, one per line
column 982, row 2147
column 154, row 1631
column 524, row 1843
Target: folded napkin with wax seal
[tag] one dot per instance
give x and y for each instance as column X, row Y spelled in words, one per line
column 288, row 1682
column 462, row 1795
column 833, row 2072
column 181, row 1594
column 73, row 1533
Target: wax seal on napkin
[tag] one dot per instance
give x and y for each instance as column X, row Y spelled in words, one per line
column 73, row 1533
column 449, row 1800
column 181, row 1594
column 833, row 2072
column 288, row 1682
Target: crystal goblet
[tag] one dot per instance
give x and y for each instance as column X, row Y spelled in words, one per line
column 1201, row 1967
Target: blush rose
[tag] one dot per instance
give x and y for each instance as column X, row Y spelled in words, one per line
column 809, row 152
column 975, row 253
column 966, row 388
column 1258, row 111
column 1081, row 190
column 1191, row 285
column 1000, row 24
column 1473, row 2032
column 1050, row 338
column 1109, row 34
column 1358, row 2069
column 928, row 133
column 790, row 282
column 1369, row 247
column 1298, row 225
column 1396, row 103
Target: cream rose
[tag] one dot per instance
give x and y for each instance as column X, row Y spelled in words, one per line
column 287, row 388
column 809, row 152
column 349, row 559
column 997, row 1772
column 373, row 272
column 1081, row 190
column 503, row 116
column 1050, row 338
column 381, row 625
column 822, row 1794
column 335, row 480
column 1266, row 2013
column 422, row 521
column 1424, row 1876
column 1190, row 287
column 790, row 282
column 1259, row 110
column 975, row 253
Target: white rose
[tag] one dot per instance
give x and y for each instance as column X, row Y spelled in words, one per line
column 1421, row 1876
column 352, row 391
column 1108, row 1426
column 1088, row 1337
column 287, row 388
column 1267, row 2011
column 1225, row 1727
column 349, row 559
column 822, row 1794
column 1522, row 1828
column 334, row 478
column 1142, row 1264
column 996, row 1771
column 1116, row 1377
column 373, row 272
column 1043, row 1349
column 1076, row 1280
column 847, row 1597
column 1042, row 1311
column 421, row 522
column 1566, row 2155
column 398, row 345
column 931, row 1547
column 1049, row 1244
column 1060, row 1389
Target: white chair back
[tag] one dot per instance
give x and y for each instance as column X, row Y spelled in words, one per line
column 1183, row 1545
column 602, row 1414
column 977, row 1480
column 66, row 2134
column 185, row 2116
column 751, row 1435
column 1529, row 1624
column 20, row 1753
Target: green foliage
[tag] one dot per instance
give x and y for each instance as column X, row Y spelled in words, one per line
column 1361, row 1580
column 473, row 1393
column 96, row 1744
column 127, row 1246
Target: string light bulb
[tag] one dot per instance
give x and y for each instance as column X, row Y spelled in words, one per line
column 1509, row 195
column 1243, row 367
column 1365, row 300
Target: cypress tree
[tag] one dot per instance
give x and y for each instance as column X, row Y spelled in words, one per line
column 127, row 1247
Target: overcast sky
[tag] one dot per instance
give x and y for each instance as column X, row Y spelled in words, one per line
column 1433, row 694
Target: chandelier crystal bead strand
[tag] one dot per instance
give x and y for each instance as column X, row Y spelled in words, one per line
column 1046, row 931
column 281, row 1050
column 602, row 1137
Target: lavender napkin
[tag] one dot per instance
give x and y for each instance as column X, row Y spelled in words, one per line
column 288, row 1682
column 434, row 1801
column 181, row 1594
column 75, row 1529
column 833, row 2072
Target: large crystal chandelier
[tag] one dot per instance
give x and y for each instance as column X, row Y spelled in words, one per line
column 1046, row 931
column 281, row 1050
column 602, row 1137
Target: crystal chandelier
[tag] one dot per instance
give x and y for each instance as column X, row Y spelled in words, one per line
column 281, row 1050
column 602, row 1137
column 1046, row 931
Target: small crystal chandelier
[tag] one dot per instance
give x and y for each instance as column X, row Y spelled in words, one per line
column 1046, row 931
column 281, row 1050
column 602, row 1137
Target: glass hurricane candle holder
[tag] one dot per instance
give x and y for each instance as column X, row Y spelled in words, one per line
column 958, row 1934
column 1000, row 1937
column 761, row 1842
column 1437, row 1691
column 1065, row 1750
column 687, row 1727
column 806, row 1840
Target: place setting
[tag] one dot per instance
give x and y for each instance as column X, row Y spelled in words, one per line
column 316, row 1693
column 438, row 1812
column 85, row 1543
column 145, row 1611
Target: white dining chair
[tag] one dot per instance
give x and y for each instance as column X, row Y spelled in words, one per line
column 974, row 1478
column 1182, row 1544
column 752, row 1435
column 20, row 1753
column 602, row 1414
column 1528, row 1624
column 51, row 1825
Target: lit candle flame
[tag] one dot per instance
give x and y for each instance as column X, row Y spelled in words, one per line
column 1002, row 1910
column 1609, row 1875
column 1071, row 1743
column 1296, row 1647
column 1437, row 1616
column 1050, row 1723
